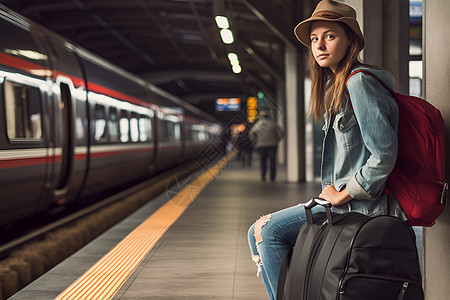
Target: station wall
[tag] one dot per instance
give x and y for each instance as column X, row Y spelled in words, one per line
column 437, row 90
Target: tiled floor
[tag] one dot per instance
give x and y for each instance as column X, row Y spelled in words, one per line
column 205, row 254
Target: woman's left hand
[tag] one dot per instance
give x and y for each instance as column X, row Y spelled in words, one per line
column 336, row 198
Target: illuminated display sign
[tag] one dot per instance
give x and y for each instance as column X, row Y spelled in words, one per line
column 228, row 104
column 252, row 109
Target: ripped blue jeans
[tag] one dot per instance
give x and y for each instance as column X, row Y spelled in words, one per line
column 271, row 237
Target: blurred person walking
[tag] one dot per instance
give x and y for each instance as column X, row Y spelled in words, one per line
column 265, row 135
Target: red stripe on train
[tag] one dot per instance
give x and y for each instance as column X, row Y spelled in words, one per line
column 13, row 61
column 119, row 152
column 26, row 162
column 33, row 161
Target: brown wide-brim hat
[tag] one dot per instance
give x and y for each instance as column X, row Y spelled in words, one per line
column 328, row 10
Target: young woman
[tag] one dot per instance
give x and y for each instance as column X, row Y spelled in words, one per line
column 358, row 154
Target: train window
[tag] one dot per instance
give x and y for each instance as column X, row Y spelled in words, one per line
column 190, row 132
column 145, row 129
column 173, row 131
column 177, row 131
column 197, row 133
column 113, row 124
column 23, row 111
column 202, row 136
column 124, row 126
column 100, row 123
column 134, row 128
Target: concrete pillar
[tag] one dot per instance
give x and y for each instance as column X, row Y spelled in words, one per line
column 281, row 120
column 396, row 41
column 372, row 24
column 385, row 25
column 295, row 150
column 436, row 74
column 295, row 74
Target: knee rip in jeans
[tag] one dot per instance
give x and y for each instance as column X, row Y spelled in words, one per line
column 258, row 229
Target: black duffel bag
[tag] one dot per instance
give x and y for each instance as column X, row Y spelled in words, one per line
column 351, row 257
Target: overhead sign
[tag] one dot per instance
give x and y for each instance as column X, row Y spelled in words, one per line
column 228, row 104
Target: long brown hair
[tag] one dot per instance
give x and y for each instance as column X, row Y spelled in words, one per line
column 328, row 88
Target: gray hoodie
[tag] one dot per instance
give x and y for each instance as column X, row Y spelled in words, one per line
column 266, row 133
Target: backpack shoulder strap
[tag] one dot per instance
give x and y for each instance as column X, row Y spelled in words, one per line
column 368, row 73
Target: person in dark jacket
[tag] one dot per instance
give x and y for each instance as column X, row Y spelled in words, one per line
column 266, row 134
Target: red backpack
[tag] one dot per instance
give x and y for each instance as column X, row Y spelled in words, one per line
column 418, row 178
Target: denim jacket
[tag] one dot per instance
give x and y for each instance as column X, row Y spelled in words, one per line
column 359, row 153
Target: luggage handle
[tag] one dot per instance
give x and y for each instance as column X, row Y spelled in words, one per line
column 318, row 201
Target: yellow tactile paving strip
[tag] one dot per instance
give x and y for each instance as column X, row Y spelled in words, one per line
column 105, row 278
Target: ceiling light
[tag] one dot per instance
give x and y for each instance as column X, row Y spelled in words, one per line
column 237, row 69
column 227, row 36
column 233, row 58
column 222, row 22
column 234, row 61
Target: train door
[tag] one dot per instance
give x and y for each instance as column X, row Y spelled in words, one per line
column 66, row 133
column 70, row 137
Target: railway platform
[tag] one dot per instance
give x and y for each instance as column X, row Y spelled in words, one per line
column 193, row 246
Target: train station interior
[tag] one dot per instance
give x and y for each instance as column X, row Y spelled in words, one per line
column 226, row 61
